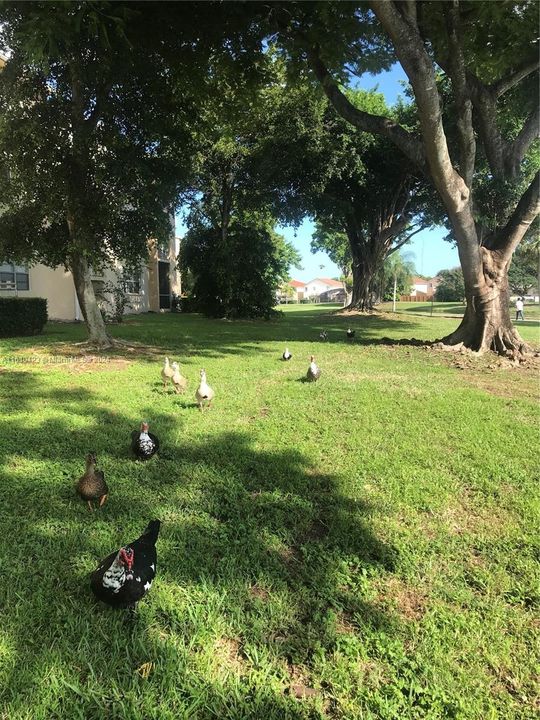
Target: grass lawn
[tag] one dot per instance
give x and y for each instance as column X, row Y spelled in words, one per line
column 362, row 547
column 531, row 311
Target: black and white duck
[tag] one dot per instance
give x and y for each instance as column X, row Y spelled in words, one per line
column 143, row 443
column 323, row 335
column 314, row 372
column 350, row 334
column 125, row 576
column 286, row 355
column 92, row 486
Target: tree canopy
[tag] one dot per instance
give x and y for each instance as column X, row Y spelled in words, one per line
column 111, row 112
column 429, row 38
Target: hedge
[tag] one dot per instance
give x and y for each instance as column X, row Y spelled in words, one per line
column 22, row 316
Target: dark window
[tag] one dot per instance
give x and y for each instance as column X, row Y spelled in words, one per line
column 14, row 276
column 99, row 288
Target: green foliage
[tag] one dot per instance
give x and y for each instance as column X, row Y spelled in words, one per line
column 236, row 188
column 114, row 301
column 452, row 286
column 90, row 169
column 335, row 244
column 523, row 273
column 399, row 268
column 239, row 275
column 22, row 316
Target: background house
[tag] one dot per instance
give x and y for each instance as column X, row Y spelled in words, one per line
column 317, row 287
column 297, row 293
column 317, row 290
column 421, row 289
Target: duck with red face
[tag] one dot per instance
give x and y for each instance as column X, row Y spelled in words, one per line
column 125, row 576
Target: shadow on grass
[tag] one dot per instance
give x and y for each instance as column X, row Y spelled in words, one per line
column 234, row 518
column 151, row 337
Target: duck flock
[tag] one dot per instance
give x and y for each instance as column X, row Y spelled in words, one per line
column 125, row 576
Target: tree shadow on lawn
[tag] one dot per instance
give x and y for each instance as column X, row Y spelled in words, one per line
column 234, row 518
column 185, row 336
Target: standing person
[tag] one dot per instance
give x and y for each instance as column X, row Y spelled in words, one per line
column 519, row 309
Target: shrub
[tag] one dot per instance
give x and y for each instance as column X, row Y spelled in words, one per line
column 113, row 307
column 451, row 287
column 237, row 276
column 22, row 316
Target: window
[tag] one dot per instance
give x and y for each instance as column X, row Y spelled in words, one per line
column 163, row 251
column 14, row 277
column 132, row 282
column 99, row 288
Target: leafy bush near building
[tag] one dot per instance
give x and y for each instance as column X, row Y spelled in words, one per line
column 22, row 316
column 113, row 302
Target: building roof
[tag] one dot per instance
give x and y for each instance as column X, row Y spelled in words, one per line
column 328, row 281
column 296, row 283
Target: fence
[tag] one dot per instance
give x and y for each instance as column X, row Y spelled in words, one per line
column 419, row 297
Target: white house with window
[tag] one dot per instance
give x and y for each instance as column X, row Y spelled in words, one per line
column 149, row 290
column 13, row 277
column 314, row 288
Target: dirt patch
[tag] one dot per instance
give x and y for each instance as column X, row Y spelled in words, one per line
column 344, row 624
column 259, row 592
column 410, row 602
column 503, row 384
column 316, row 531
column 290, row 556
column 299, row 686
column 263, row 412
column 97, row 364
column 476, row 560
column 463, row 517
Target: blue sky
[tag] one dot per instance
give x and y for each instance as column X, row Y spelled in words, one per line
column 430, row 252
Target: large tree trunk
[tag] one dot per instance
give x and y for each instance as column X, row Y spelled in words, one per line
column 361, row 292
column 82, row 279
column 486, row 324
column 362, row 269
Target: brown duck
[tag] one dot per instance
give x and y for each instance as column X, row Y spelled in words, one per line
column 92, row 485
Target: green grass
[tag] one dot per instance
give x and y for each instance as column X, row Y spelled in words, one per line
column 531, row 310
column 368, row 542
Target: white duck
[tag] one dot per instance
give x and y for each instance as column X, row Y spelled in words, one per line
column 204, row 392
column 166, row 373
column 178, row 380
column 314, row 372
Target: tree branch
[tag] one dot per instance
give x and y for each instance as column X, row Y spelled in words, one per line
column 421, row 73
column 517, row 150
column 467, row 143
column 526, row 211
column 406, row 239
column 486, row 113
column 504, row 84
column 410, row 145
